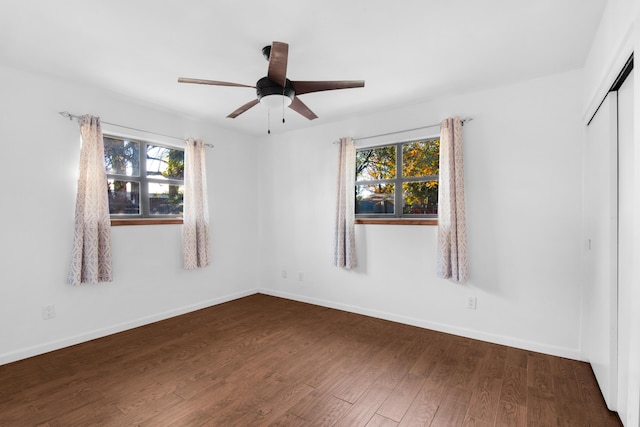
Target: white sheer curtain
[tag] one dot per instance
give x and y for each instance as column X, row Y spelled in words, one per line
column 452, row 240
column 344, row 241
column 91, row 256
column 195, row 234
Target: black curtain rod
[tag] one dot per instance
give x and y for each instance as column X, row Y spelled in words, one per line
column 70, row 116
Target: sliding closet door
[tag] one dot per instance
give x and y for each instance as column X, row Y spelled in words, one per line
column 626, row 256
column 600, row 269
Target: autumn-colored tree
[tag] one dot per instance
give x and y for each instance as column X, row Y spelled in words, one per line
column 377, row 164
column 420, row 159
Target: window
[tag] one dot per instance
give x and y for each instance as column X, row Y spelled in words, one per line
column 398, row 180
column 147, row 186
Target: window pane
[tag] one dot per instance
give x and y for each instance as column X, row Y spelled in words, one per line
column 376, row 163
column 163, row 162
column 124, row 197
column 420, row 198
column 375, row 199
column 122, row 157
column 421, row 158
column 165, row 199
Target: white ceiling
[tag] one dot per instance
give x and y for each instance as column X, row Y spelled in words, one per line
column 405, row 50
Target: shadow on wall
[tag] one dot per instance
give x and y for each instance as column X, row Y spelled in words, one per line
column 481, row 201
column 361, row 250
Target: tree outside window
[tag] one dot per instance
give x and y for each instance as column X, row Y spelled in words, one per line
column 150, row 188
column 403, row 174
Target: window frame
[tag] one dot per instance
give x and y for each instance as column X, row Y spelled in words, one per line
column 144, row 217
column 398, row 217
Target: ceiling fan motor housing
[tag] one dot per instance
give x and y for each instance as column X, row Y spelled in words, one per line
column 266, row 87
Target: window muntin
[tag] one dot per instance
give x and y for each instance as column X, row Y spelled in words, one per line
column 148, row 187
column 401, row 174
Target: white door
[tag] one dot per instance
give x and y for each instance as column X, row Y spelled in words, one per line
column 600, row 270
column 626, row 257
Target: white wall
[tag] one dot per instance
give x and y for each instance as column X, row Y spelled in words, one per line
column 523, row 184
column 40, row 152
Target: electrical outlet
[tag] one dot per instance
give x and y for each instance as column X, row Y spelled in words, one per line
column 48, row 312
column 284, row 274
column 471, row 302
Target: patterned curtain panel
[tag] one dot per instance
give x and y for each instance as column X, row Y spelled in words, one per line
column 452, row 240
column 344, row 241
column 195, row 234
column 91, row 257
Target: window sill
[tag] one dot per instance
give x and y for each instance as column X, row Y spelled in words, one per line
column 397, row 221
column 144, row 221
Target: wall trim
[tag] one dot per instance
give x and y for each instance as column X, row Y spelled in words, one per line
column 47, row 347
column 50, row 346
column 569, row 353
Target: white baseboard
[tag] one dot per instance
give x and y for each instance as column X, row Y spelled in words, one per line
column 99, row 333
column 468, row 333
column 569, row 353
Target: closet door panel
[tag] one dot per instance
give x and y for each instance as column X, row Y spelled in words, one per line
column 600, row 268
column 628, row 304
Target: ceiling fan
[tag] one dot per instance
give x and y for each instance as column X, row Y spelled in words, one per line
column 276, row 89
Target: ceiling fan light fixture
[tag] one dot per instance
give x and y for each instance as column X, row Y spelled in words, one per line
column 275, row 101
column 272, row 95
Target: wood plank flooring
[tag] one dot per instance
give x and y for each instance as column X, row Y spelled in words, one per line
column 261, row 361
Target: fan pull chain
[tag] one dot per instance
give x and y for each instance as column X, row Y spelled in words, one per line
column 283, row 95
column 269, row 121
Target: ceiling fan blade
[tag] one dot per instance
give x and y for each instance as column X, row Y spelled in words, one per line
column 300, row 107
column 308, row 87
column 210, row 82
column 242, row 109
column 278, row 63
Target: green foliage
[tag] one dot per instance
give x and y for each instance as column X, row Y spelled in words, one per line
column 121, row 157
column 174, row 169
column 174, row 164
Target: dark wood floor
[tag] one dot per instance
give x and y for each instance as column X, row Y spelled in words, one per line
column 262, row 360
